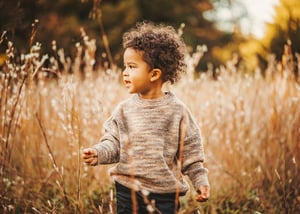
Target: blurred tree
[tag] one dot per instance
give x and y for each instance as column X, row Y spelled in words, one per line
column 117, row 17
column 286, row 26
column 59, row 21
column 14, row 20
column 62, row 20
column 198, row 30
column 227, row 16
column 279, row 35
column 120, row 15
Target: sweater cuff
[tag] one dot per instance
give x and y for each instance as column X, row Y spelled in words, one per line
column 102, row 154
column 201, row 180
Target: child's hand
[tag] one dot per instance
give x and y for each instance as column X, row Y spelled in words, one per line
column 90, row 156
column 203, row 194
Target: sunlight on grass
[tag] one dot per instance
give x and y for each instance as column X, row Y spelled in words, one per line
column 250, row 125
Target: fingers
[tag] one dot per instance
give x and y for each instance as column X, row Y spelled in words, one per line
column 91, row 161
column 94, row 162
column 88, row 153
column 199, row 198
column 90, row 156
column 203, row 194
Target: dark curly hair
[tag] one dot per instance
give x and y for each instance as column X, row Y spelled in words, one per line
column 162, row 48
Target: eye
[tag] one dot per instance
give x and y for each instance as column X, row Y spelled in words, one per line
column 130, row 66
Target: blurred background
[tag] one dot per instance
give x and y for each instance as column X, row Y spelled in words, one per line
column 251, row 29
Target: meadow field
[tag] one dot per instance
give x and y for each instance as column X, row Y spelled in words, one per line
column 250, row 125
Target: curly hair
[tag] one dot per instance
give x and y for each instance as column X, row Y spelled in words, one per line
column 162, row 48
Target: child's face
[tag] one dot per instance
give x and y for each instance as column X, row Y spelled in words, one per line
column 136, row 74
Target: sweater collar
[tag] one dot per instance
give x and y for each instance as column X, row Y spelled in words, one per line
column 157, row 101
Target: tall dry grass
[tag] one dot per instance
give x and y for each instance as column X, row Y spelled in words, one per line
column 250, row 125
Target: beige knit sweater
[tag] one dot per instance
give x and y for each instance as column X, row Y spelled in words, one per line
column 143, row 136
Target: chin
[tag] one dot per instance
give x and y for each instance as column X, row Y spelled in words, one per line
column 131, row 91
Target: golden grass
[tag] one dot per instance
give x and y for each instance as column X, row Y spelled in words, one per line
column 250, row 125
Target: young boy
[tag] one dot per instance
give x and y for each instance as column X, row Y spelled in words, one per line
column 152, row 136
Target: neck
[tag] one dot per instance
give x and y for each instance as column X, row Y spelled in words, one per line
column 155, row 91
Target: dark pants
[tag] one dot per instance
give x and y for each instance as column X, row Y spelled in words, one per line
column 164, row 203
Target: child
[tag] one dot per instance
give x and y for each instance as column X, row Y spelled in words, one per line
column 151, row 136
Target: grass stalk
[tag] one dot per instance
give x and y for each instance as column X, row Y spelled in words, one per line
column 55, row 166
column 180, row 154
column 98, row 14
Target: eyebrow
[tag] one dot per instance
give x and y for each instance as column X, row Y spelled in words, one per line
column 130, row 62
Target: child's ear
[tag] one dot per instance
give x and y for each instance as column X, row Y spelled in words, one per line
column 155, row 74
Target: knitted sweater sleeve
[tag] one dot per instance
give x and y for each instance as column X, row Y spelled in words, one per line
column 109, row 146
column 193, row 153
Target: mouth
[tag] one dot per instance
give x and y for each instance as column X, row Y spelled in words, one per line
column 127, row 82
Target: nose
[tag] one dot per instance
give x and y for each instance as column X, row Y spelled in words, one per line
column 125, row 72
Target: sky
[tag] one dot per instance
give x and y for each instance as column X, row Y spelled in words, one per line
column 250, row 15
column 260, row 11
